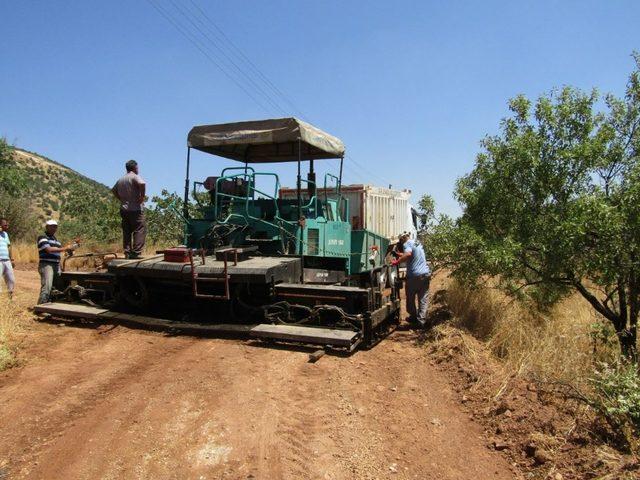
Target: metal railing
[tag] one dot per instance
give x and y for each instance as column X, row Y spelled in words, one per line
column 224, row 279
column 252, row 190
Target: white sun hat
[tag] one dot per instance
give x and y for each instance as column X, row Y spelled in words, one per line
column 51, row 222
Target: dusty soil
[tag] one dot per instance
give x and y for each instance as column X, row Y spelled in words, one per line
column 107, row 402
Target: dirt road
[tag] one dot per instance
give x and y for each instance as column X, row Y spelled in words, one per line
column 112, row 403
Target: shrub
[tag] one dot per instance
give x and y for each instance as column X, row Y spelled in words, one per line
column 21, row 217
column 616, row 396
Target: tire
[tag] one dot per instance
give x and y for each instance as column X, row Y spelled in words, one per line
column 133, row 292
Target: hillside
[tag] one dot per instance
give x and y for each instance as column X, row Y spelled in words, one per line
column 51, row 184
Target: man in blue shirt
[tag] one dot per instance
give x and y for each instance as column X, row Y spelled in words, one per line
column 6, row 262
column 418, row 278
column 49, row 251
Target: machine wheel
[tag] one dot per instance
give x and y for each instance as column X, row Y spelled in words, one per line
column 133, row 292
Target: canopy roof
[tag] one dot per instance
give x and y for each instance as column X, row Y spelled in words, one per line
column 262, row 141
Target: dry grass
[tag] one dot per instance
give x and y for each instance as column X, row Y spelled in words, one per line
column 562, row 345
column 13, row 317
column 24, row 252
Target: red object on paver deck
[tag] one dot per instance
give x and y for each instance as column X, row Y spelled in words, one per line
column 176, row 255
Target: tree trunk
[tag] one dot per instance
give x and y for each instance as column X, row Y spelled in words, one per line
column 628, row 338
column 627, row 335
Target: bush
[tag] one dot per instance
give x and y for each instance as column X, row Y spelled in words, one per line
column 12, row 181
column 90, row 216
column 616, row 397
column 164, row 219
column 22, row 220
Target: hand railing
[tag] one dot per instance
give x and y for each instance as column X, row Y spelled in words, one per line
column 219, row 194
column 313, row 201
column 328, row 176
column 244, row 169
column 251, row 191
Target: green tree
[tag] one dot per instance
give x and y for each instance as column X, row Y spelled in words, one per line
column 12, row 204
column 12, row 181
column 551, row 206
column 164, row 219
column 426, row 212
column 91, row 217
column 24, row 224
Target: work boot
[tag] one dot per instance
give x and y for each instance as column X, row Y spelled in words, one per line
column 134, row 256
column 410, row 320
column 416, row 324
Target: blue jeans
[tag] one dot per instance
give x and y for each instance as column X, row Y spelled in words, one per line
column 49, row 274
column 6, row 272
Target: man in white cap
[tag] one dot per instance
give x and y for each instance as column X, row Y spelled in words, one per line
column 49, row 250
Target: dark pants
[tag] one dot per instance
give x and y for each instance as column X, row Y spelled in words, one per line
column 418, row 291
column 133, row 224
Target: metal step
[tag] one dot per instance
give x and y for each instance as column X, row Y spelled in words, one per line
column 315, row 335
column 74, row 310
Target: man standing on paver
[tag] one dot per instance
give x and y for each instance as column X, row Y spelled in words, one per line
column 130, row 191
column 49, row 251
column 6, row 259
column 418, row 278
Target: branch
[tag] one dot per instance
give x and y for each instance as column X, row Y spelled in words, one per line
column 622, row 300
column 604, row 310
column 633, row 294
column 528, row 284
column 607, row 300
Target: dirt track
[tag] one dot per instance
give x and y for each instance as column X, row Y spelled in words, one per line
column 116, row 403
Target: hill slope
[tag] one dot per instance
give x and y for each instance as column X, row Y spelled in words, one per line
column 51, row 184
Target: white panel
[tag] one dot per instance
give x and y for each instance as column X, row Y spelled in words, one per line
column 377, row 209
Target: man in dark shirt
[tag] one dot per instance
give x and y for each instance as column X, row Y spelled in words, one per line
column 130, row 191
column 49, row 251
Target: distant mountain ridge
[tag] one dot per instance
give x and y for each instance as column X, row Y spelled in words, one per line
column 50, row 184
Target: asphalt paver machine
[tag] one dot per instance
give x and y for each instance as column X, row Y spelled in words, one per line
column 284, row 269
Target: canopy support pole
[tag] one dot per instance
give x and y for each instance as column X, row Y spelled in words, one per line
column 340, row 176
column 186, row 186
column 311, row 184
column 299, row 181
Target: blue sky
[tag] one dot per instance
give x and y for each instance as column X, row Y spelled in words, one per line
column 410, row 87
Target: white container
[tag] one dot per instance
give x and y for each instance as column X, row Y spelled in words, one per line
column 380, row 210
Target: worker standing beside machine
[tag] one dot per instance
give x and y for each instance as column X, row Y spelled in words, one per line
column 49, row 250
column 418, row 278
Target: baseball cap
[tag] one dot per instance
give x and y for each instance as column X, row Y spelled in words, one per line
column 51, row 222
